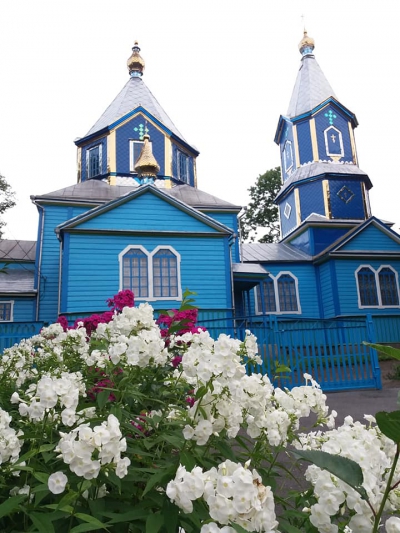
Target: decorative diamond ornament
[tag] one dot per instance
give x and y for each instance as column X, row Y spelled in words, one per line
column 346, row 194
column 288, row 210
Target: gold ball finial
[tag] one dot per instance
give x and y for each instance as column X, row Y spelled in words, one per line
column 306, row 45
column 146, row 165
column 135, row 62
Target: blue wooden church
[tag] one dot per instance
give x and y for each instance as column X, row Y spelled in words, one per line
column 136, row 220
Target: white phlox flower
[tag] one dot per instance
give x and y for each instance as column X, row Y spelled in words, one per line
column 233, row 493
column 57, row 482
column 105, row 441
column 374, row 452
column 10, row 444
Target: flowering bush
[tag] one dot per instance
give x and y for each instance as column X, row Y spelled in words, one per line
column 121, row 431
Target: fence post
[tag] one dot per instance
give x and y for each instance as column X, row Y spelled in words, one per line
column 371, row 337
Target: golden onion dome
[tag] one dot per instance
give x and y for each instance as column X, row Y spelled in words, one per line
column 306, row 45
column 135, row 62
column 146, row 165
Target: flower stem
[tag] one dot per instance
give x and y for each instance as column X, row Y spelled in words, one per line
column 387, row 490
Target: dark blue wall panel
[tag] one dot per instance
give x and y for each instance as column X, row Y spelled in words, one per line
column 327, row 118
column 346, row 198
column 304, row 140
column 311, row 199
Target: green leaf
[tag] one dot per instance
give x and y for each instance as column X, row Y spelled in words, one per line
column 345, row 469
column 237, row 528
column 160, row 476
column 389, row 424
column 134, row 514
column 102, row 398
column 41, row 476
column 154, row 523
column 280, row 369
column 171, row 513
column 47, row 447
column 225, row 449
column 386, row 350
column 187, row 460
column 42, row 522
column 11, row 504
column 85, row 527
column 284, row 525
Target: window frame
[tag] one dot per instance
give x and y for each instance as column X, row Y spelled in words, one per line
column 132, row 142
column 179, row 155
column 275, row 280
column 11, row 304
column 376, row 272
column 88, row 150
column 150, row 256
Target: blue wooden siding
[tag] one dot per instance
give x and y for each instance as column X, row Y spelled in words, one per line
column 131, row 130
column 230, row 220
column 347, row 286
column 327, row 297
column 303, row 241
column 93, row 272
column 146, row 212
column 343, row 207
column 49, row 268
column 304, row 142
column 311, row 199
column 18, row 265
column 373, row 239
column 97, row 142
column 24, row 308
column 338, row 121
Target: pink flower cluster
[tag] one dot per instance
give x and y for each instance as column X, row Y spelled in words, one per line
column 188, row 319
column 90, row 323
column 120, row 300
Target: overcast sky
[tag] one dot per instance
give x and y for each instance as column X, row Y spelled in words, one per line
column 223, row 71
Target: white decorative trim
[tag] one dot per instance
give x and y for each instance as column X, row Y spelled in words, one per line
column 132, row 142
column 378, row 288
column 150, row 255
column 11, row 310
column 88, row 150
column 289, row 144
column 341, row 153
column 275, row 280
column 287, row 210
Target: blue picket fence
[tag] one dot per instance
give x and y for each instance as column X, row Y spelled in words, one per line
column 13, row 332
column 332, row 351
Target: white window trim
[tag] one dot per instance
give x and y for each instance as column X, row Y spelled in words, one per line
column 378, row 287
column 276, row 293
column 289, row 144
column 341, row 154
column 11, row 310
column 100, row 147
column 131, row 161
column 150, row 256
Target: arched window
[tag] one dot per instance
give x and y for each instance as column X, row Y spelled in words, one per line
column 367, row 287
column 151, row 275
column 278, row 294
column 135, row 272
column 377, row 288
column 287, row 293
column 165, row 273
column 388, row 286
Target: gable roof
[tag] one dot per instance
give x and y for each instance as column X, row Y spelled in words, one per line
column 134, row 94
column 16, row 250
column 139, row 191
column 99, row 192
column 338, row 248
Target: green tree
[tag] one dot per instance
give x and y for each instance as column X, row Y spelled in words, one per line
column 262, row 213
column 7, row 200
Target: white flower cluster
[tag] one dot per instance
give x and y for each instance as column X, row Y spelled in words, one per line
column 134, row 337
column 10, row 445
column 374, row 452
column 233, row 398
column 234, row 495
column 49, row 391
column 78, row 447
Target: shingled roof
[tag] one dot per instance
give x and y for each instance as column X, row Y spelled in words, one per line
column 15, row 250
